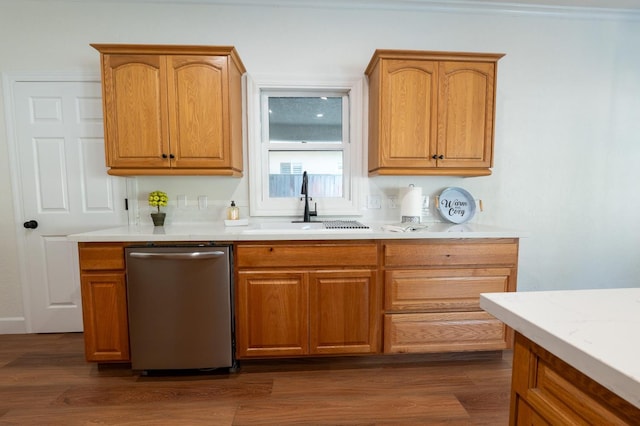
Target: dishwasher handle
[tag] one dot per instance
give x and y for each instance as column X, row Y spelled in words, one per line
column 194, row 255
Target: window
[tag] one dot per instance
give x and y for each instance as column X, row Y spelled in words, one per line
column 304, row 128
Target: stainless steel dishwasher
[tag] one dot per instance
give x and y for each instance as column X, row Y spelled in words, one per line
column 179, row 305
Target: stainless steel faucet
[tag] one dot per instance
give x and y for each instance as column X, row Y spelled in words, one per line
column 305, row 191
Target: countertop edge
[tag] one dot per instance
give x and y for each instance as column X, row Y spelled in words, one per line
column 597, row 369
column 207, row 232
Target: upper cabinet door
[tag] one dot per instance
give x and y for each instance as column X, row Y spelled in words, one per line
column 198, row 111
column 136, row 134
column 465, row 109
column 408, row 109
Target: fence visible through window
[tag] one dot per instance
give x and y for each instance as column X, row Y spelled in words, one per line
column 288, row 185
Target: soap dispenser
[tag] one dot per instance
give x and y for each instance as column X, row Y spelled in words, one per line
column 233, row 212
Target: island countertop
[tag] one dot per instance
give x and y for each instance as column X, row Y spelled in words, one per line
column 595, row 331
column 252, row 232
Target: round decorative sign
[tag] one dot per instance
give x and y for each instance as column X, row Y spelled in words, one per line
column 456, row 205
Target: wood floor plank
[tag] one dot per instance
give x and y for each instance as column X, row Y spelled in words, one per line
column 356, row 382
column 229, row 391
column 27, row 396
column 173, row 414
column 351, row 411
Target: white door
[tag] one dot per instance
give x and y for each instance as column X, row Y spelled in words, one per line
column 64, row 188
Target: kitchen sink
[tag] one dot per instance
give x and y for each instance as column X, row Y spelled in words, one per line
column 303, row 227
column 284, row 227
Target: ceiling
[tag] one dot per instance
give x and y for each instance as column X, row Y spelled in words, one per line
column 620, row 5
column 604, row 4
column 631, row 5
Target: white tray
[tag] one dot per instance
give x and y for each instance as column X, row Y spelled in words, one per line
column 456, row 205
column 237, row 222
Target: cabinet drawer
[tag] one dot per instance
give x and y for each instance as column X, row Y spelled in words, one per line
column 527, row 416
column 298, row 255
column 101, row 256
column 441, row 253
column 442, row 290
column 443, row 332
column 550, row 391
column 561, row 401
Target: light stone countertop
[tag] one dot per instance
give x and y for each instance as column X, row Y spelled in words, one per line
column 253, row 232
column 595, row 331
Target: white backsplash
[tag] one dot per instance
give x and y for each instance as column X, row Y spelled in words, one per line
column 219, row 191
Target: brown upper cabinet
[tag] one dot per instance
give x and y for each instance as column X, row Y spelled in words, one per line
column 431, row 113
column 172, row 110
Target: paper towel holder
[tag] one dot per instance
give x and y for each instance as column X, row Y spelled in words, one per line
column 414, row 216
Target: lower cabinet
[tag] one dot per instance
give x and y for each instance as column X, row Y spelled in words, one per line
column 311, row 299
column 432, row 294
column 104, row 301
column 548, row 391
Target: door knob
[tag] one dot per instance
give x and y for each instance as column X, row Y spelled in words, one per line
column 31, row 224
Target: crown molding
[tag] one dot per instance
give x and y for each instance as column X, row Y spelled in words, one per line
column 583, row 9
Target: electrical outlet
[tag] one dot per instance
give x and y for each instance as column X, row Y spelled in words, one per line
column 202, row 202
column 374, row 202
column 182, row 200
column 393, row 202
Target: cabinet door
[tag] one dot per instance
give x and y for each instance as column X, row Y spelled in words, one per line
column 134, row 92
column 407, row 123
column 104, row 311
column 272, row 314
column 198, row 98
column 343, row 316
column 465, row 113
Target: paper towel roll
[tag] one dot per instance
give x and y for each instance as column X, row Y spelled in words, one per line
column 411, row 206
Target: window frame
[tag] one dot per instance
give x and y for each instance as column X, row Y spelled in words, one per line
column 260, row 202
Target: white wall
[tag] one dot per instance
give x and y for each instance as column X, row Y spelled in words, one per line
column 568, row 110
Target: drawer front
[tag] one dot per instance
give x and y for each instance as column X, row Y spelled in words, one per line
column 442, row 290
column 101, row 256
column 559, row 394
column 527, row 415
column 450, row 332
column 293, row 256
column 469, row 252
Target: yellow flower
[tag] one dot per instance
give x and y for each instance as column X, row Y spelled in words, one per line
column 157, row 199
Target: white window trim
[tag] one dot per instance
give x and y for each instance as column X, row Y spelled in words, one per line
column 350, row 204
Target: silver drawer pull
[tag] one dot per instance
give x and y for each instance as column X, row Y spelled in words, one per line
column 195, row 255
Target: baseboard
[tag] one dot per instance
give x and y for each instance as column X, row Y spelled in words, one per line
column 13, row 325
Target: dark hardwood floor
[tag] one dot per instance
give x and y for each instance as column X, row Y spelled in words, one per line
column 44, row 380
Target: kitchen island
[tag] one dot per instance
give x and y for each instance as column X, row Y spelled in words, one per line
column 575, row 355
